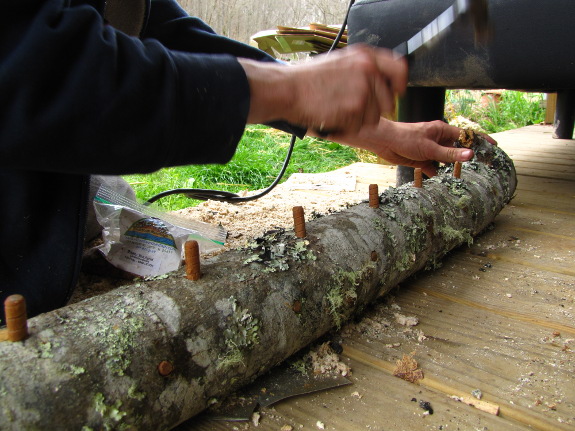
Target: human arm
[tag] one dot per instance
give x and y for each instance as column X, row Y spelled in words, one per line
column 79, row 96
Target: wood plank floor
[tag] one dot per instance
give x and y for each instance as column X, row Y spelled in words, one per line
column 498, row 317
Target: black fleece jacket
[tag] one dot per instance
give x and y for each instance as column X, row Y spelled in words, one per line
column 80, row 97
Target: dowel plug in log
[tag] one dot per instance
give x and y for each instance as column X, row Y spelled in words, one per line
column 94, row 364
column 417, row 178
column 457, row 169
column 373, row 196
column 299, row 221
column 16, row 320
column 192, row 259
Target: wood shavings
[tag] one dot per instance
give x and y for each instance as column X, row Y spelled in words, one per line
column 406, row 320
column 325, row 360
column 484, row 406
column 407, row 369
column 248, row 220
column 256, row 419
column 466, row 137
column 420, row 336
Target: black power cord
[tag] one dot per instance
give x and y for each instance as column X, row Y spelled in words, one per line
column 223, row 196
column 343, row 27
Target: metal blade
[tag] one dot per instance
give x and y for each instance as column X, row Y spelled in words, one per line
column 439, row 26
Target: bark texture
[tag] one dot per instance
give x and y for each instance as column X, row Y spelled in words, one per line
column 151, row 355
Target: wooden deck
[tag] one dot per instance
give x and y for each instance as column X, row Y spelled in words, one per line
column 498, row 317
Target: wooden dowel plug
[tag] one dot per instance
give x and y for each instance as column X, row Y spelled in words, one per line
column 299, row 222
column 373, row 196
column 417, row 178
column 16, row 319
column 192, row 258
column 457, row 169
column 165, row 368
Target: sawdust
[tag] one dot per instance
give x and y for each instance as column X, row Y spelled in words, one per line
column 383, row 322
column 318, row 194
column 324, row 360
column 406, row 320
column 407, row 369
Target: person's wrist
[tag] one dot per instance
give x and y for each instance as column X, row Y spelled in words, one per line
column 270, row 91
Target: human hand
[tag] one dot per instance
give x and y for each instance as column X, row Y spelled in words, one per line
column 411, row 144
column 345, row 91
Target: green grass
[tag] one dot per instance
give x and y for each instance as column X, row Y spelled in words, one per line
column 516, row 109
column 257, row 161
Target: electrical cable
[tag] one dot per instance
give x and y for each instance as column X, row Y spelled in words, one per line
column 342, row 28
column 224, row 196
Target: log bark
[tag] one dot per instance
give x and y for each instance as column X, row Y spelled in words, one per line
column 153, row 354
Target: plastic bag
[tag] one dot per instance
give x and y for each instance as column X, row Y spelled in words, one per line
column 145, row 241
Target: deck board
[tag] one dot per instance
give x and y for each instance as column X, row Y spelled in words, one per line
column 498, row 316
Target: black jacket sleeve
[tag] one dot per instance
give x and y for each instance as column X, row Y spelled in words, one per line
column 78, row 96
column 172, row 26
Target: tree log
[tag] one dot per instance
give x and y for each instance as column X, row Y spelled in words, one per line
column 153, row 354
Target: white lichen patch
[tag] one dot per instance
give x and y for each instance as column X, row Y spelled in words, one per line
column 167, row 310
column 241, row 332
column 242, row 328
column 198, row 348
column 110, row 413
column 276, row 251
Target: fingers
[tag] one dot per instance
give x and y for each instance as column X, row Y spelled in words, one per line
column 449, row 134
column 429, row 169
column 384, row 96
column 395, row 70
column 390, row 79
column 342, row 92
column 450, row 154
column 372, row 112
column 369, row 80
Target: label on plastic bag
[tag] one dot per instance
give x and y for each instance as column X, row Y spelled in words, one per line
column 144, row 241
column 148, row 246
